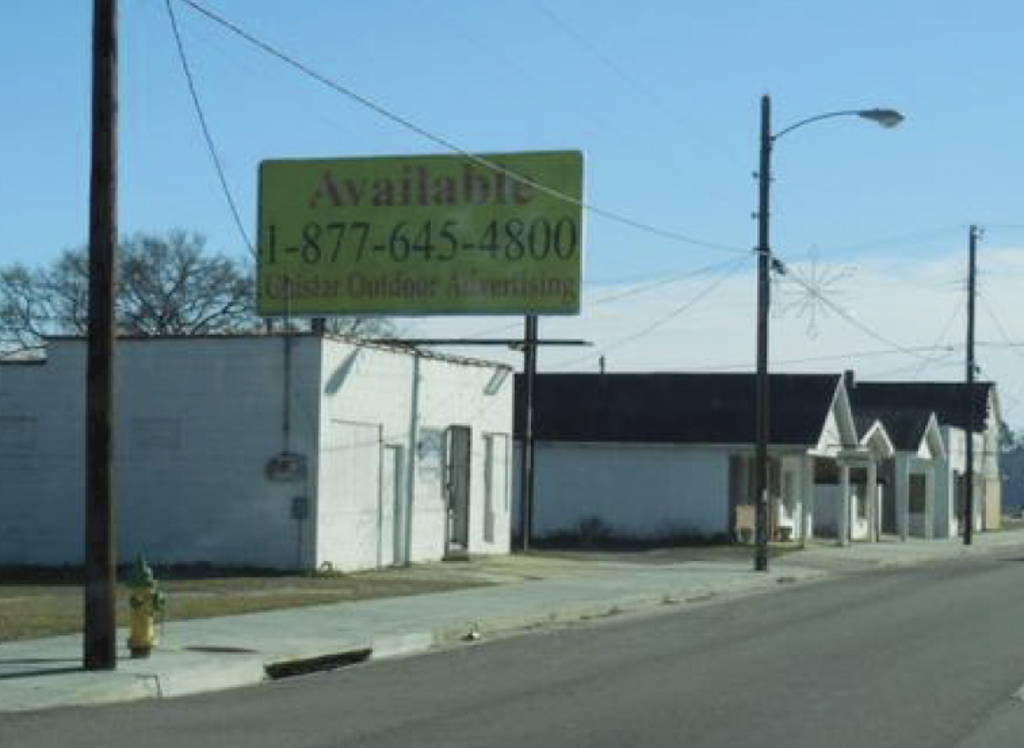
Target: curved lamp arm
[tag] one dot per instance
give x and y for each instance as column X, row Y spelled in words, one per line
column 884, row 117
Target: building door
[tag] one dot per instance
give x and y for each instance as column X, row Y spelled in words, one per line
column 458, row 443
column 348, row 510
column 788, row 520
column 390, row 511
column 496, row 481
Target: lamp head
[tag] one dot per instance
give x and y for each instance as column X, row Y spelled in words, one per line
column 884, row 117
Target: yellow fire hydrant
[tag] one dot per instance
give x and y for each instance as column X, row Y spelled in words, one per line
column 145, row 602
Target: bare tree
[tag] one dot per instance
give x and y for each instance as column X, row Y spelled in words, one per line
column 166, row 285
column 42, row 302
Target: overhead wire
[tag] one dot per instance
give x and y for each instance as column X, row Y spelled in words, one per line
column 940, row 362
column 449, row 144
column 942, row 336
column 635, row 83
column 794, row 276
column 660, row 282
column 567, row 97
column 617, row 296
column 1013, row 346
column 822, row 358
column 210, row 39
column 204, row 126
column 660, row 321
column 887, row 242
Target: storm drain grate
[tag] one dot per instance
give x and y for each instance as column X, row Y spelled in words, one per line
column 303, row 666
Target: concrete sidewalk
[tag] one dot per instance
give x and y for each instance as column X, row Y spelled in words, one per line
column 216, row 653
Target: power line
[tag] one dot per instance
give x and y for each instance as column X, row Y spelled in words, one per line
column 447, row 143
column 816, row 293
column 207, row 136
column 894, row 240
column 620, row 295
column 637, row 84
column 942, row 337
column 659, row 321
column 568, row 98
column 829, row 357
column 644, row 288
column 940, row 362
column 1015, row 347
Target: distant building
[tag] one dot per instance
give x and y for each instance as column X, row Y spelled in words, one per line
column 666, row 456
column 903, row 406
column 663, row 456
column 1012, row 462
column 288, row 452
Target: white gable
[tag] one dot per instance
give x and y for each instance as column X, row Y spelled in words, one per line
column 838, row 432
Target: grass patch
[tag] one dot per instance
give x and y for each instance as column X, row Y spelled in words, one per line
column 38, row 602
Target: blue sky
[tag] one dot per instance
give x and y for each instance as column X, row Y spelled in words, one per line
column 663, row 99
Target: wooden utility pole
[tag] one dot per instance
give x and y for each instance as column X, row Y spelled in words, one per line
column 969, row 409
column 764, row 179
column 100, row 645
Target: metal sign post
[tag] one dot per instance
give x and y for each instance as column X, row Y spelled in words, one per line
column 526, row 456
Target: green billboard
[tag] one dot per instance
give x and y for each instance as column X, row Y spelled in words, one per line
column 488, row 234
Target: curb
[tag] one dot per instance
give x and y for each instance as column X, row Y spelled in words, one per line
column 472, row 629
column 197, row 672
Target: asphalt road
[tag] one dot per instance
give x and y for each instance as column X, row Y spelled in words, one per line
column 927, row 656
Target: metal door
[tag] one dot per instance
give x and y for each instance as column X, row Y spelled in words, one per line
column 458, row 444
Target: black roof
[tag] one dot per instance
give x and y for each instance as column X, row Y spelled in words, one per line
column 675, row 408
column 894, row 401
column 905, row 427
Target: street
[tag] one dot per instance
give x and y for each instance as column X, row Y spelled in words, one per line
column 911, row 657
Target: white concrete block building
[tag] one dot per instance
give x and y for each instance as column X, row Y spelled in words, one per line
column 286, row 452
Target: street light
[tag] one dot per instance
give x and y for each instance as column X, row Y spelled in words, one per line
column 886, row 118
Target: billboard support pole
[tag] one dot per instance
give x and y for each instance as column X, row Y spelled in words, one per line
column 526, row 453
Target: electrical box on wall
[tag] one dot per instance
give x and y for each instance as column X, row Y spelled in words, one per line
column 286, row 466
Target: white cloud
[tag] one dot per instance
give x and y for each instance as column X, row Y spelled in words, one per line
column 903, row 306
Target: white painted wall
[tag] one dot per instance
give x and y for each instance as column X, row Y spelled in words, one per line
column 955, row 441
column 409, row 401
column 42, row 439
column 637, row 490
column 828, row 504
column 197, row 419
column 449, row 400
